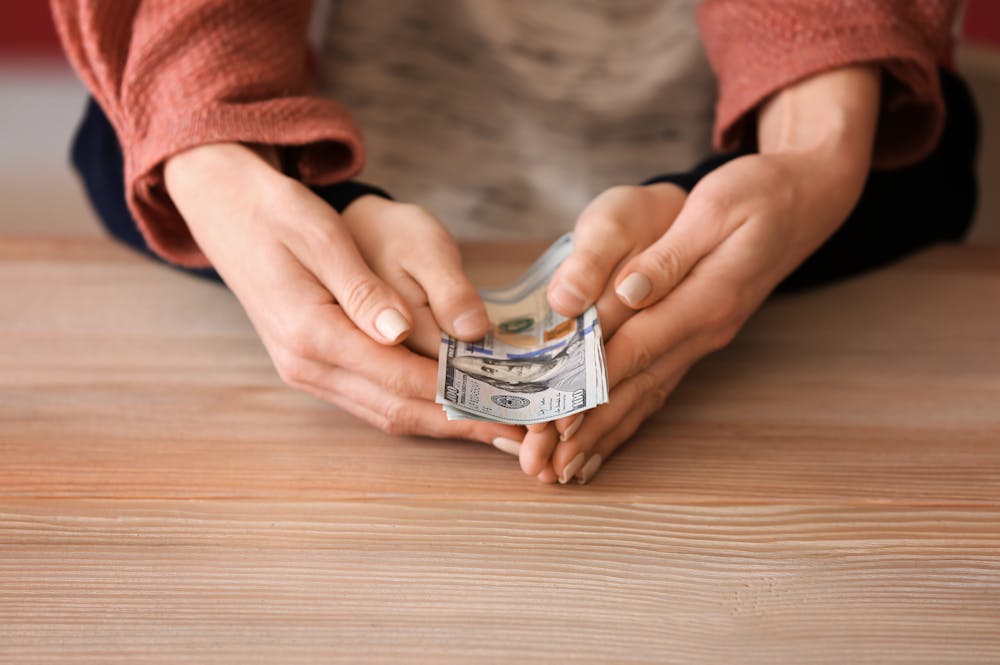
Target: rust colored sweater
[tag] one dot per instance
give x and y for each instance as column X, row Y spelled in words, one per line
column 172, row 74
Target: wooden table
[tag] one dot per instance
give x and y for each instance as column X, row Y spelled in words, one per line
column 826, row 490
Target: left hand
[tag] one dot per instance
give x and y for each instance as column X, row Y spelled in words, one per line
column 692, row 280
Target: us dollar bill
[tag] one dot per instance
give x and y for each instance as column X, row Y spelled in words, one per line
column 533, row 365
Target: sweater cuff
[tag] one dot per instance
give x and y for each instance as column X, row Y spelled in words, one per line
column 752, row 68
column 324, row 148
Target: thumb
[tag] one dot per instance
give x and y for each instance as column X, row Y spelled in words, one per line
column 598, row 246
column 617, row 223
column 327, row 248
column 653, row 273
column 454, row 301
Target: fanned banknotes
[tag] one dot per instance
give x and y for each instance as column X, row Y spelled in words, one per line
column 534, row 365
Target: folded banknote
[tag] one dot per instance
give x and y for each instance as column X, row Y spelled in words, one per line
column 533, row 365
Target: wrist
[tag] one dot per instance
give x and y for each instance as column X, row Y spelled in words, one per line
column 831, row 116
column 217, row 163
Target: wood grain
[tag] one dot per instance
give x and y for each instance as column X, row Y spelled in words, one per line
column 140, row 382
column 826, row 490
column 519, row 582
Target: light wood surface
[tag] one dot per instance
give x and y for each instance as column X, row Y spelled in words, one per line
column 826, row 490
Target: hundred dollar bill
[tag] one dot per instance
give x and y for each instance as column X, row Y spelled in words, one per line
column 533, row 365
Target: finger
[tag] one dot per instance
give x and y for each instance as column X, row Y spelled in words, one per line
column 324, row 334
column 426, row 336
column 398, row 415
column 327, row 249
column 600, row 242
column 536, row 449
column 634, row 401
column 652, row 383
column 547, row 475
column 612, row 314
column 700, row 310
column 702, row 224
column 456, row 304
column 620, row 434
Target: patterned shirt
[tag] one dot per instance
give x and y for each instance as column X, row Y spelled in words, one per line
column 506, row 117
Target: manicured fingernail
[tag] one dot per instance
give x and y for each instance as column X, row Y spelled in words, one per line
column 471, row 324
column 573, row 427
column 571, row 468
column 567, row 295
column 634, row 288
column 509, row 446
column 391, row 324
column 589, row 469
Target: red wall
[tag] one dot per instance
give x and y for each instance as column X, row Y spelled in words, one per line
column 26, row 29
column 982, row 22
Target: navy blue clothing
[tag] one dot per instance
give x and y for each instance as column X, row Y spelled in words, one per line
column 899, row 212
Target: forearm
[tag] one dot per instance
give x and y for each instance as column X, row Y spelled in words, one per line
column 833, row 114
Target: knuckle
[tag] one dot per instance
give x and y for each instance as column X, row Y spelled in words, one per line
column 360, row 294
column 725, row 321
column 400, row 383
column 299, row 338
column 711, row 205
column 657, row 395
column 609, row 221
column 397, row 419
column 585, row 269
column 722, row 337
column 725, row 311
column 666, row 263
column 291, row 370
column 641, row 358
column 650, row 388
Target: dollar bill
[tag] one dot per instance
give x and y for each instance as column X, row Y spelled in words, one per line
column 533, row 365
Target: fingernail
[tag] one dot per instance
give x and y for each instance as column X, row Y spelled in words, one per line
column 573, row 427
column 509, row 446
column 634, row 288
column 571, row 468
column 471, row 324
column 567, row 295
column 391, row 324
column 589, row 469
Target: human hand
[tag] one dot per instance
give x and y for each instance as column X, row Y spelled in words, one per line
column 741, row 230
column 331, row 324
column 617, row 225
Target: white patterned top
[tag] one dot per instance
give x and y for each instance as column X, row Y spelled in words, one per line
column 505, row 117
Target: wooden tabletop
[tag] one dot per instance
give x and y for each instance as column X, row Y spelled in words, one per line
column 826, row 490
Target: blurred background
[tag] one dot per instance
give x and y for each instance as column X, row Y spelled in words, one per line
column 41, row 101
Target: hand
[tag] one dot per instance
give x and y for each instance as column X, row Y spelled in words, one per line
column 741, row 230
column 616, row 226
column 331, row 324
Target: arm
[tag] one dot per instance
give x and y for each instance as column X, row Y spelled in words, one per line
column 189, row 86
column 714, row 255
column 759, row 47
column 174, row 74
column 695, row 276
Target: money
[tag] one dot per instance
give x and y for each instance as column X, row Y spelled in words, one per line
column 533, row 365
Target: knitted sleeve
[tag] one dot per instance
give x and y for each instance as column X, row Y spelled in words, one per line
column 173, row 74
column 757, row 47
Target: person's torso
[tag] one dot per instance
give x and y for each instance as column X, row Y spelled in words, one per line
column 505, row 117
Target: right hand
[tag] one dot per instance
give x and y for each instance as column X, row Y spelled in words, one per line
column 331, row 324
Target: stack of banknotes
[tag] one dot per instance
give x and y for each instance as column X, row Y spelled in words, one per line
column 534, row 365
